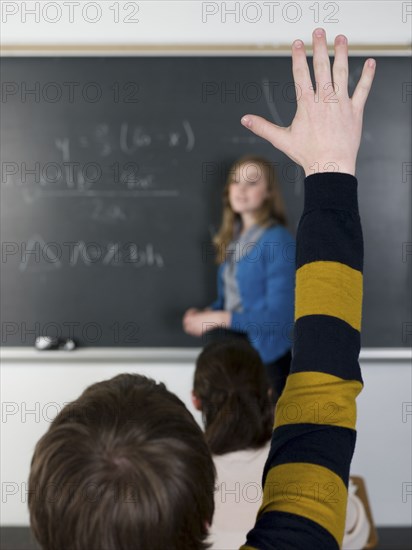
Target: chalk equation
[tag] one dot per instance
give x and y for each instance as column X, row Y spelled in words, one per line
column 103, row 173
column 39, row 255
column 75, row 179
column 129, row 138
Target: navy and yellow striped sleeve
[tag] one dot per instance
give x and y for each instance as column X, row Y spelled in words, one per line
column 306, row 475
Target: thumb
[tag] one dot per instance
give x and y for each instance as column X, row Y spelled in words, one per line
column 276, row 135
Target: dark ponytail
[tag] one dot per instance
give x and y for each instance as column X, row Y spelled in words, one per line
column 231, row 382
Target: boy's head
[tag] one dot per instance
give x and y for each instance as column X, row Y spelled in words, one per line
column 124, row 466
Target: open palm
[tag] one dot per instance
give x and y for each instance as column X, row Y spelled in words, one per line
column 326, row 132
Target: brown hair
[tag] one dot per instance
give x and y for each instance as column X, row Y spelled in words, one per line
column 231, row 382
column 273, row 208
column 124, row 466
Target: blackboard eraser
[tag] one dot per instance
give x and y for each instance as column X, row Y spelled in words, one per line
column 46, row 342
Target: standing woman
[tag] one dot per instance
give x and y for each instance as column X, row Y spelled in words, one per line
column 256, row 275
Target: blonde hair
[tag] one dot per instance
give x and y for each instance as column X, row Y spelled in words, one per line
column 273, row 208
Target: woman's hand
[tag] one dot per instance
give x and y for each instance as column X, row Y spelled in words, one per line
column 326, row 131
column 197, row 323
column 190, row 311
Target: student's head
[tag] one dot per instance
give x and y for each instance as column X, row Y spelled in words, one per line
column 124, row 466
column 232, row 391
column 252, row 188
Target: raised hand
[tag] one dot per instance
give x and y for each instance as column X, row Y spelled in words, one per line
column 326, row 132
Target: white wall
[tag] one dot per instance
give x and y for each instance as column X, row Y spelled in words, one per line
column 32, row 394
column 383, row 452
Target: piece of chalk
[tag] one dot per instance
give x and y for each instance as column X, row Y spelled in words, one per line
column 68, row 345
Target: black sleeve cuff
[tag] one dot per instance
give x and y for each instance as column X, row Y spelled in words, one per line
column 335, row 190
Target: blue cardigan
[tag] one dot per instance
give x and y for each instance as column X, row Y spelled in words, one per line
column 266, row 281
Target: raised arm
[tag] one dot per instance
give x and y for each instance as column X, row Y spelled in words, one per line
column 306, row 474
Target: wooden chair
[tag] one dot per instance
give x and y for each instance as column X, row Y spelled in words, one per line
column 362, row 495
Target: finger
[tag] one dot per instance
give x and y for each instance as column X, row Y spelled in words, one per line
column 340, row 66
column 300, row 69
column 360, row 95
column 276, row 135
column 321, row 63
column 191, row 311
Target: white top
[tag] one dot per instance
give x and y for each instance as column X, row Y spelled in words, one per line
column 238, row 495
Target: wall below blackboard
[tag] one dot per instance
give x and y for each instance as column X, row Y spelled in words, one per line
column 33, row 393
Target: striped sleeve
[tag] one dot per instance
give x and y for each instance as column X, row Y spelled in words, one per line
column 306, row 475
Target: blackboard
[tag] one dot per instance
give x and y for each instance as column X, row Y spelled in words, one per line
column 112, row 173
